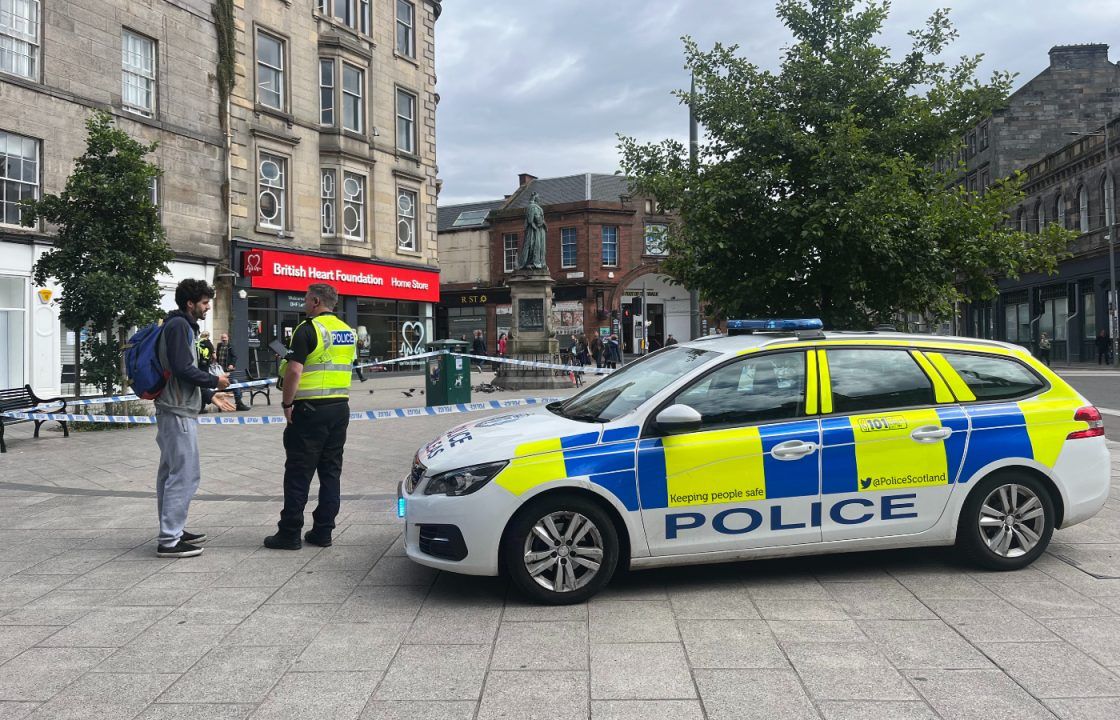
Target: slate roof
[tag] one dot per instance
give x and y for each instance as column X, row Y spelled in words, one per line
column 572, row 188
column 448, row 214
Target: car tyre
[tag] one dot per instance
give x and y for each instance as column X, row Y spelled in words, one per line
column 1007, row 522
column 561, row 549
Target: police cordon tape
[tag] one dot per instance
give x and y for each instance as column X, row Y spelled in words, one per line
column 390, row 414
column 406, row 359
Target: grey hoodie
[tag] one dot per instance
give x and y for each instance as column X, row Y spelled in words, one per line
column 178, row 352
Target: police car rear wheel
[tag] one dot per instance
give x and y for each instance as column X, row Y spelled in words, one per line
column 561, row 550
column 1007, row 522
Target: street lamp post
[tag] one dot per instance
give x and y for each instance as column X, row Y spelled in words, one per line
column 1110, row 222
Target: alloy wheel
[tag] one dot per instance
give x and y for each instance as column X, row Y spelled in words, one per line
column 1012, row 520
column 564, row 551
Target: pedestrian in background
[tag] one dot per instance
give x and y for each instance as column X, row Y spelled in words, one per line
column 670, row 340
column 596, row 349
column 225, row 357
column 316, row 405
column 177, row 409
column 502, row 345
column 206, row 353
column 612, row 352
column 1044, row 348
column 1104, row 348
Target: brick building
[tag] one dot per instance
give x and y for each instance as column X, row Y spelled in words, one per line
column 149, row 65
column 604, row 249
column 1067, row 182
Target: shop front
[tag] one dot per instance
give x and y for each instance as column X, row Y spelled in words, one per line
column 464, row 311
column 389, row 306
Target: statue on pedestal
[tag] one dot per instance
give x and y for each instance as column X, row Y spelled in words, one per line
column 532, row 255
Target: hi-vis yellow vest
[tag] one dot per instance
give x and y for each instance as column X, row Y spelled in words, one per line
column 326, row 373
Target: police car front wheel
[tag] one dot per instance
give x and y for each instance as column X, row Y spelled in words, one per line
column 561, row 550
column 1007, row 522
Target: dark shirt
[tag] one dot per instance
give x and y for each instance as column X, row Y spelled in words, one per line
column 478, row 346
column 304, row 340
column 225, row 356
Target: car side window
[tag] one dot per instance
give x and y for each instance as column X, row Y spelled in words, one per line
column 762, row 389
column 876, row 380
column 992, row 378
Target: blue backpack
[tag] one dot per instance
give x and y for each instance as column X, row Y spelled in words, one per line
column 146, row 375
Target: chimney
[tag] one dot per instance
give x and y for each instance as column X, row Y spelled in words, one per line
column 1074, row 57
column 524, row 179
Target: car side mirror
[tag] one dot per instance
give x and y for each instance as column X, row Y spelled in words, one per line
column 678, row 419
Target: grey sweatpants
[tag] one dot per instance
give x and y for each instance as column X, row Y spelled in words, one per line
column 178, row 475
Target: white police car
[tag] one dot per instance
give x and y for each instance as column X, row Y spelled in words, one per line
column 763, row 445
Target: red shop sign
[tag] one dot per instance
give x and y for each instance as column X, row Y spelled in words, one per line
column 275, row 270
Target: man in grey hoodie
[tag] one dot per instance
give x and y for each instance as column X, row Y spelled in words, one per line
column 177, row 418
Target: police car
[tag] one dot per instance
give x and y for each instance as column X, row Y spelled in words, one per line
column 789, row 442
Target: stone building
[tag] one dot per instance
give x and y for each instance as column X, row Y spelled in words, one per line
column 150, row 66
column 604, row 249
column 1077, row 91
column 1067, row 182
column 333, row 169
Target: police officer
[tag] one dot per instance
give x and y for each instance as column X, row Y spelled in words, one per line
column 316, row 376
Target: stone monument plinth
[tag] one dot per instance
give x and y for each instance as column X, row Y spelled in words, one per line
column 531, row 335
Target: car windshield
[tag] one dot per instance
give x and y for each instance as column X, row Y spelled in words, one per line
column 625, row 389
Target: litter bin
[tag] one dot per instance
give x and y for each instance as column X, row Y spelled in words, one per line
column 448, row 379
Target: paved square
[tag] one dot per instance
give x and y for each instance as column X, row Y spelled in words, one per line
column 92, row 624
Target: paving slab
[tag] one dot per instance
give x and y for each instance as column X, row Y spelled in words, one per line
column 640, row 671
column 561, row 695
column 754, row 695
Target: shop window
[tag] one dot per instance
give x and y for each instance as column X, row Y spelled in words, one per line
column 354, row 207
column 568, row 249
column 406, row 220
column 19, row 37
column 271, row 200
column 13, row 333
column 329, row 199
column 19, row 175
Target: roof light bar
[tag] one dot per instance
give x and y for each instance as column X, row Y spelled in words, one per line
column 775, row 324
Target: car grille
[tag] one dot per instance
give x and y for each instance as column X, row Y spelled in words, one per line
column 414, row 476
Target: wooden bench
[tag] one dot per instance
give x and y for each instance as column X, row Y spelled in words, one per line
column 240, row 376
column 24, row 399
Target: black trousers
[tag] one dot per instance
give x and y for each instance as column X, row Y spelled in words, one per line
column 313, row 442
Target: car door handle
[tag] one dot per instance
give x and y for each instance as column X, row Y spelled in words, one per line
column 793, row 450
column 931, row 433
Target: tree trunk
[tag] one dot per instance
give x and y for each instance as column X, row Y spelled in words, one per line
column 122, row 338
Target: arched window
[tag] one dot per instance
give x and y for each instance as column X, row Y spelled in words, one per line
column 1083, row 201
column 1060, row 210
column 1022, row 219
column 1040, row 213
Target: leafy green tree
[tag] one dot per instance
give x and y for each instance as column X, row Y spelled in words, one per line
column 815, row 190
column 109, row 245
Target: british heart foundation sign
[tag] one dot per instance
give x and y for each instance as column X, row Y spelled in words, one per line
column 276, row 270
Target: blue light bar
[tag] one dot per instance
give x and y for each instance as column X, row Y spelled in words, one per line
column 776, row 324
column 400, row 507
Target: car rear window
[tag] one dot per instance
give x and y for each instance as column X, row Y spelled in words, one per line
column 993, row 378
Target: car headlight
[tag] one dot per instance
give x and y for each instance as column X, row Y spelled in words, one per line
column 463, row 481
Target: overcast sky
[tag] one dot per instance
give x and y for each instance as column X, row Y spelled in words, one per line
column 543, row 86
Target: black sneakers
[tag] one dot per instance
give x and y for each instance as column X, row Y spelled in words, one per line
column 193, row 538
column 179, row 550
column 317, row 539
column 282, row 542
column 241, row 407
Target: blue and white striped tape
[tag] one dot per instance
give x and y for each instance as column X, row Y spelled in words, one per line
column 536, row 364
column 390, row 414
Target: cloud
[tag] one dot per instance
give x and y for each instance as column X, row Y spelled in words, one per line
column 543, row 87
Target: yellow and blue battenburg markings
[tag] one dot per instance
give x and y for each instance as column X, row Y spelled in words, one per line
column 606, row 459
